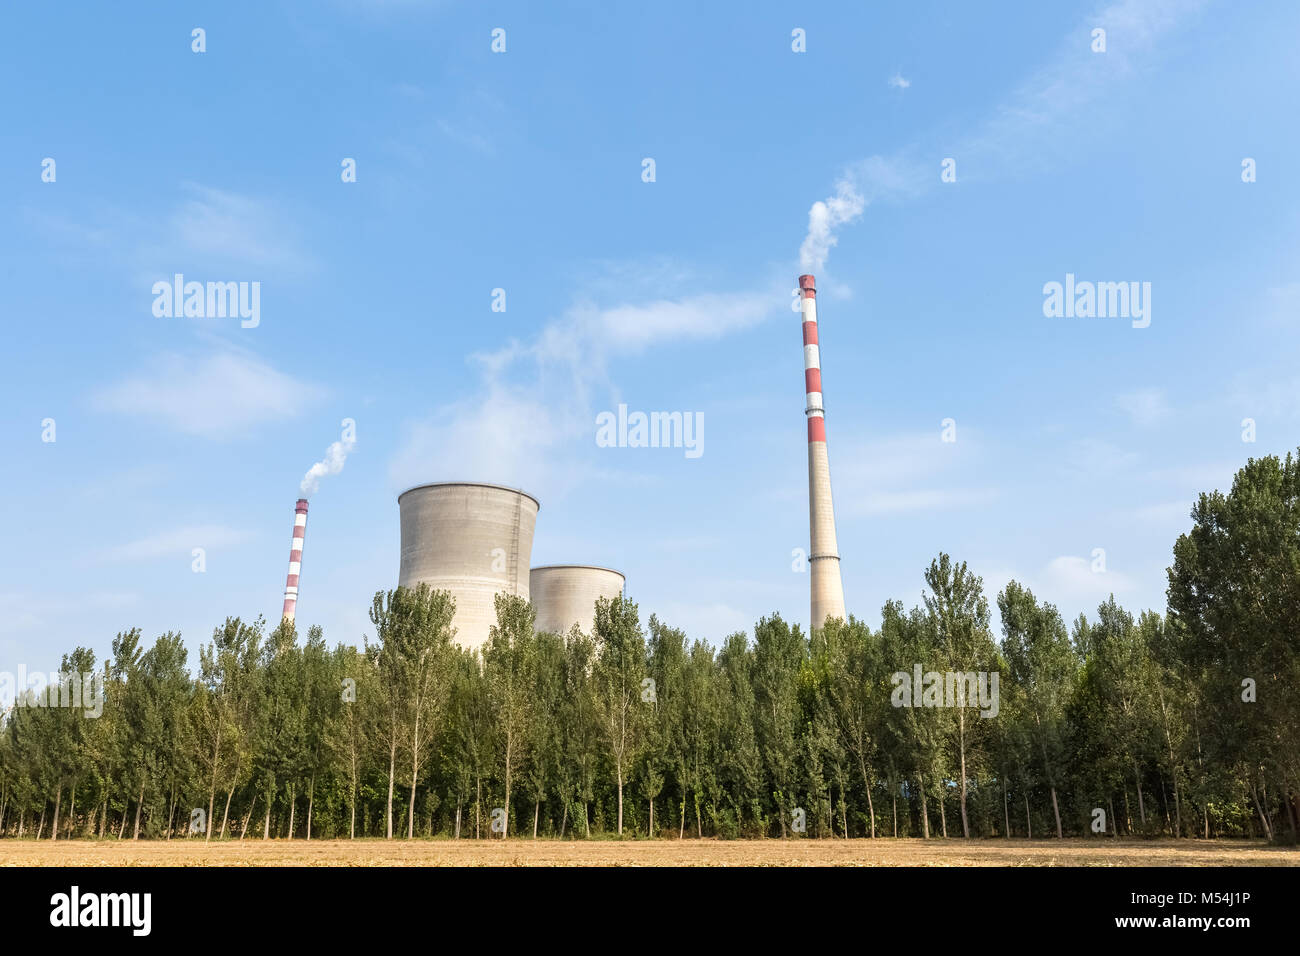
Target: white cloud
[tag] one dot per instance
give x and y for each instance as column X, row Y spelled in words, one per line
column 215, row 228
column 1165, row 513
column 1145, row 407
column 205, row 233
column 891, row 475
column 1026, row 128
column 535, row 409
column 21, row 614
column 178, row 542
column 1071, row 578
column 220, row 395
column 1094, row 458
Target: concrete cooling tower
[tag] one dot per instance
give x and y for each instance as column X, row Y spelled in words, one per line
column 474, row 540
column 565, row 594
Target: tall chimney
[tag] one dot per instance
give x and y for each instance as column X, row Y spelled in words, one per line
column 295, row 559
column 824, row 556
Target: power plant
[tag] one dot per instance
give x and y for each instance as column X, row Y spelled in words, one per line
column 472, row 539
column 565, row 594
column 823, row 552
column 295, row 560
column 475, row 540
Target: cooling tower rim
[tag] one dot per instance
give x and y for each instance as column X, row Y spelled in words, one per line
column 470, row 484
column 578, row 567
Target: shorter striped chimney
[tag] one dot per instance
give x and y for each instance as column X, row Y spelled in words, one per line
column 295, row 559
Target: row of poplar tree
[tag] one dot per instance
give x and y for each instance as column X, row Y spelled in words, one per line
column 1183, row 724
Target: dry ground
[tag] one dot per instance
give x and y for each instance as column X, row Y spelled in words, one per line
column 526, row 852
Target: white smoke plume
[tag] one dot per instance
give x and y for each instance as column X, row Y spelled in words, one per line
column 823, row 219
column 332, row 463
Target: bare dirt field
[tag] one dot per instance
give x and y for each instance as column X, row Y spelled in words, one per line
column 526, row 852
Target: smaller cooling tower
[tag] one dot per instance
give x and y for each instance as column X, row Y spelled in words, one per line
column 565, row 594
column 471, row 539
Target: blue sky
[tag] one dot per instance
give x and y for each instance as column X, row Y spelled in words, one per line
column 522, row 171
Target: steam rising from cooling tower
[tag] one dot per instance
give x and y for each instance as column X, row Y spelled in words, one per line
column 332, row 463
column 824, row 556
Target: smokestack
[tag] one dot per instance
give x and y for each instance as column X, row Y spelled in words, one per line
column 824, row 555
column 295, row 559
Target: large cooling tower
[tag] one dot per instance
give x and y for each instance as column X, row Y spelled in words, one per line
column 474, row 540
column 565, row 594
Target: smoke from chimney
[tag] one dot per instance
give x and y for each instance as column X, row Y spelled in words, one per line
column 295, row 560
column 823, row 552
column 332, row 463
column 824, row 218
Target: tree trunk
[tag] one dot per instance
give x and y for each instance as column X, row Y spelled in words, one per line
column 392, row 768
column 212, row 783
column 225, row 816
column 1056, row 810
column 58, row 796
column 620, row 796
column 925, row 810
column 1173, row 766
column 961, row 724
column 1029, row 824
column 266, row 827
column 866, row 783
column 311, row 801
column 1142, row 810
column 537, row 809
column 1254, row 794
column 943, row 816
column 410, row 813
column 138, row 805
column 293, row 805
column 1006, row 812
column 248, row 816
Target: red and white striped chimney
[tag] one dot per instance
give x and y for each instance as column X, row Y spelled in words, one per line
column 824, row 557
column 295, row 560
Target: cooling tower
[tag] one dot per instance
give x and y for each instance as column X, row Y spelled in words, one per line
column 295, row 561
column 565, row 594
column 474, row 540
column 823, row 552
